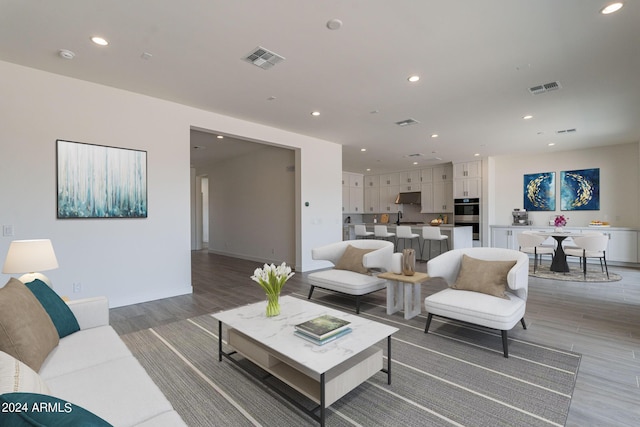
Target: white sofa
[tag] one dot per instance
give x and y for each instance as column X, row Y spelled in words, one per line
column 476, row 307
column 94, row 369
column 351, row 282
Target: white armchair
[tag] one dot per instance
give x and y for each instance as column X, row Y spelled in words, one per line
column 490, row 311
column 347, row 281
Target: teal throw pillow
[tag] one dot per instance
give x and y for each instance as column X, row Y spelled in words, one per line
column 60, row 313
column 31, row 409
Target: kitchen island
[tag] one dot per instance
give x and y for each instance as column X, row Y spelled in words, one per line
column 459, row 237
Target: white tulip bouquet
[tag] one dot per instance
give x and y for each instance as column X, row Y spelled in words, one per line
column 272, row 279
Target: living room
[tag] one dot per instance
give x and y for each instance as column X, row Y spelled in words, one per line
column 133, row 261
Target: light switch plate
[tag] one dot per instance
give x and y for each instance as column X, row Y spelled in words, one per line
column 7, row 230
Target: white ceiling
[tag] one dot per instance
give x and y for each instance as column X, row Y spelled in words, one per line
column 476, row 60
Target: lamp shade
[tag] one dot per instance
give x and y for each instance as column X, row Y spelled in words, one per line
column 29, row 256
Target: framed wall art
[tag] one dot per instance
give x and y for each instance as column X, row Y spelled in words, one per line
column 580, row 190
column 96, row 181
column 540, row 191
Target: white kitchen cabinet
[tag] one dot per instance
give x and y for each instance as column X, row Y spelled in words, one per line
column 426, row 204
column 388, row 197
column 467, row 170
column 426, row 175
column 437, row 197
column 355, row 180
column 443, row 196
column 372, row 200
column 409, row 178
column 467, row 188
column 372, row 181
column 404, row 188
column 356, row 200
column 390, row 180
column 505, row 237
column 352, row 194
column 442, row 172
column 623, row 245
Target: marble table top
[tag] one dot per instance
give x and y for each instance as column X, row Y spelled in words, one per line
column 277, row 332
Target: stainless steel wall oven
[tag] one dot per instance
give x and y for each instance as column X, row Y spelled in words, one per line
column 466, row 212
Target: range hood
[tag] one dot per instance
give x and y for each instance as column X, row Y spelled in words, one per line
column 410, row 198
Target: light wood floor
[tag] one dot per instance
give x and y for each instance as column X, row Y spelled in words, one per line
column 599, row 320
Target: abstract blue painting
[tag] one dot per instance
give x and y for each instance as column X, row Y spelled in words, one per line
column 580, row 190
column 96, row 181
column 540, row 191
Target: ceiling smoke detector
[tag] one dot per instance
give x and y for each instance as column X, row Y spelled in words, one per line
column 407, row 122
column 547, row 87
column 263, row 58
column 66, row 54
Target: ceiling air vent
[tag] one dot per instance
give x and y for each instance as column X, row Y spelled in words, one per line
column 263, row 58
column 566, row 131
column 547, row 87
column 407, row 122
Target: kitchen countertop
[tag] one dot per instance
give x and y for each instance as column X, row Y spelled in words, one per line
column 393, row 224
column 584, row 227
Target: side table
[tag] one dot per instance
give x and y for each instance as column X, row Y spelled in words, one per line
column 404, row 290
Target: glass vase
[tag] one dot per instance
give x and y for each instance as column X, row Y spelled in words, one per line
column 273, row 305
column 408, row 262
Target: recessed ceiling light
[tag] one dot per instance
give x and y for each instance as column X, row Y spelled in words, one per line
column 99, row 41
column 434, row 135
column 363, row 149
column 413, row 78
column 551, row 144
column 368, row 169
column 613, row 7
column 477, row 155
column 527, row 117
column 219, row 136
column 415, row 163
column 315, row 113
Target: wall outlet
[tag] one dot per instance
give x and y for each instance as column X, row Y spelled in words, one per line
column 77, row 287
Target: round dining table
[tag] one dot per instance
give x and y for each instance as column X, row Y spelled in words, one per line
column 559, row 262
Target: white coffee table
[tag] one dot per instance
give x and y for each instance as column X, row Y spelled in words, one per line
column 322, row 373
column 405, row 290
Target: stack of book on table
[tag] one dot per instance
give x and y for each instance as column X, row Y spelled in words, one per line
column 322, row 329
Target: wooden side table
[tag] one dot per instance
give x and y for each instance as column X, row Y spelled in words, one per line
column 404, row 290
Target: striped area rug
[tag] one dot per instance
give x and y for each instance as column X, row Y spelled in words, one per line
column 453, row 376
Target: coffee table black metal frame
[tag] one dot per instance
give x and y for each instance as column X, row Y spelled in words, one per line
column 317, row 413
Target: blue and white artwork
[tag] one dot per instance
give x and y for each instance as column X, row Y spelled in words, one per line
column 540, row 191
column 95, row 181
column 580, row 190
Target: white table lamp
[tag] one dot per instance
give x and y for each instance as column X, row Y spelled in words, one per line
column 31, row 257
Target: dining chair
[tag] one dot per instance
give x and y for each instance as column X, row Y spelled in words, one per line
column 590, row 246
column 530, row 243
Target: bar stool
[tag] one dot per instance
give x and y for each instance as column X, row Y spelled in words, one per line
column 432, row 233
column 361, row 232
column 381, row 232
column 404, row 232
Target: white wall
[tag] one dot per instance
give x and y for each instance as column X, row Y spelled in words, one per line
column 252, row 206
column 619, row 181
column 131, row 260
